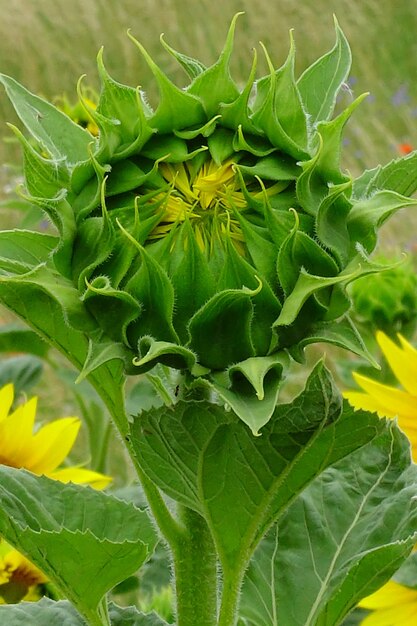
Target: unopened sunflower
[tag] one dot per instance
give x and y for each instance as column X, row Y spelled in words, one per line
column 214, row 233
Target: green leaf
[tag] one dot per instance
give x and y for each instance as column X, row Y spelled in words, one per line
column 321, row 82
column 323, row 170
column 23, row 371
column 306, row 285
column 46, row 612
column 130, row 616
column 46, row 314
column 368, row 214
column 251, row 388
column 399, row 175
column 42, row 613
column 113, row 309
column 123, row 103
column 172, row 355
column 191, row 278
column 193, row 67
column 151, row 287
column 207, row 459
column 23, row 250
column 56, row 132
column 341, row 333
column 83, row 540
column 44, row 178
column 344, row 536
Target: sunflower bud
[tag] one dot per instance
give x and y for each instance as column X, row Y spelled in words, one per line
column 387, row 301
column 217, row 233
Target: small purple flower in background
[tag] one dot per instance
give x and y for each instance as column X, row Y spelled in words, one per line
column 401, row 96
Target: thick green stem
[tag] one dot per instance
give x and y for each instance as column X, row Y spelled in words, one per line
column 195, row 568
column 232, row 582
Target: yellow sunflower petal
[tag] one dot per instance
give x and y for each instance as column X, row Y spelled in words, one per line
column 390, row 595
column 16, row 432
column 403, row 365
column 395, row 401
column 52, row 444
column 6, row 400
column 81, row 476
column 364, row 401
column 394, row 616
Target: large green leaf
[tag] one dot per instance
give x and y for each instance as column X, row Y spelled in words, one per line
column 84, row 540
column 46, row 612
column 344, row 536
column 40, row 613
column 45, row 313
column 205, row 457
column 57, row 133
column 17, row 338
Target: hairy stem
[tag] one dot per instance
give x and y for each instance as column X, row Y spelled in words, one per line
column 195, row 568
column 228, row 614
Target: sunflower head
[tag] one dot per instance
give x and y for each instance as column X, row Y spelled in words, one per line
column 216, row 232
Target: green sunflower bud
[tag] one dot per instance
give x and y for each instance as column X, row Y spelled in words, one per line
column 215, row 234
column 387, row 301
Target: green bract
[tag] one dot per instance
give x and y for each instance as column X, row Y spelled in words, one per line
column 215, row 234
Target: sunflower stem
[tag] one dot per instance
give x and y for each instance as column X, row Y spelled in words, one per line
column 170, row 529
column 195, row 569
column 230, row 599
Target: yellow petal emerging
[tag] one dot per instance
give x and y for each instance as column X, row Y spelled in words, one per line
column 389, row 401
column 53, row 443
column 81, row 476
column 402, row 363
column 392, row 605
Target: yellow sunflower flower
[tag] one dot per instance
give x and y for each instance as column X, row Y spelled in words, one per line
column 20, row 580
column 389, row 401
column 40, row 450
column 392, row 605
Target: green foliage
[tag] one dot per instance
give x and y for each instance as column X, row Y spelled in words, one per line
column 340, row 537
column 83, row 540
column 63, row 614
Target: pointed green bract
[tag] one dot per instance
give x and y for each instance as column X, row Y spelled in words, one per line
column 321, row 82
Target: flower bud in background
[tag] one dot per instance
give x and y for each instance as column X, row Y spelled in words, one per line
column 387, row 300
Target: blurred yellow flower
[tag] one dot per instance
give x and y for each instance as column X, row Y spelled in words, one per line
column 389, row 401
column 20, row 580
column 40, row 450
column 392, row 605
